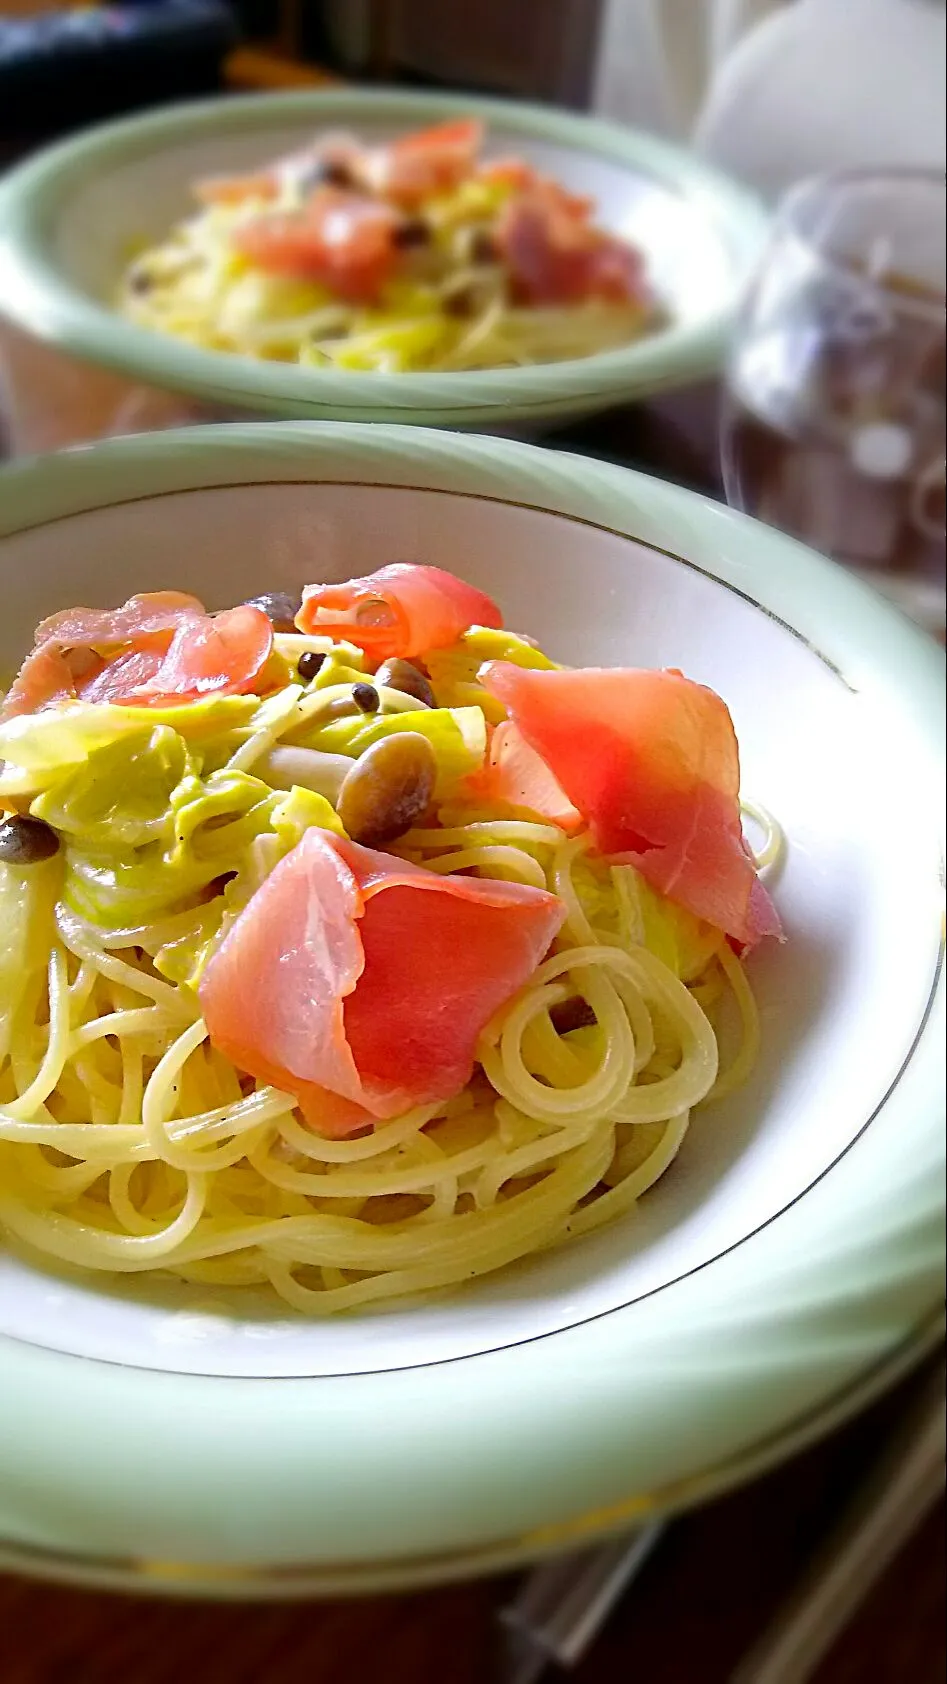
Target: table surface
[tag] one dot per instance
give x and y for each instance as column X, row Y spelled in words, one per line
column 50, row 401
column 718, row 1575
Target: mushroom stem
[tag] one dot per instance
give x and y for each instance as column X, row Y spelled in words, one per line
column 305, row 768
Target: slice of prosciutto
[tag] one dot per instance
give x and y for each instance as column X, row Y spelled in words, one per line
column 433, row 160
column 520, row 177
column 116, row 680
column 215, row 655
column 154, row 612
column 72, row 647
column 154, row 651
column 360, row 984
column 650, row 760
column 341, row 238
column 515, row 776
column 555, row 256
column 405, row 171
column 400, row 611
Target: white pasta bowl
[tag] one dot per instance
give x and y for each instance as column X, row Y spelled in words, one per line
column 785, row 1267
column 70, row 218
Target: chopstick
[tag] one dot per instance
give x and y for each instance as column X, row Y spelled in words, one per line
column 904, row 1485
column 564, row 1604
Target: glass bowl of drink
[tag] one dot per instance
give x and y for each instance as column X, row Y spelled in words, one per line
column 833, row 412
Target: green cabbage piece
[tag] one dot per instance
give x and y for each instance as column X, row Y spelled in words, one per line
column 40, row 750
column 298, row 811
column 183, row 958
column 457, row 735
column 211, row 824
column 484, row 643
column 122, row 795
column 460, row 664
column 197, row 722
column 682, row 941
column 343, row 665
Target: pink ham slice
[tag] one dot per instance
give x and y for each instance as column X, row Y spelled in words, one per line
column 406, row 170
column 101, row 628
column 650, row 760
column 155, row 651
column 360, row 984
column 48, row 675
column 555, row 256
column 216, row 655
column 115, row 680
column 515, row 777
column 341, row 238
column 431, row 161
column 45, row 677
column 402, row 610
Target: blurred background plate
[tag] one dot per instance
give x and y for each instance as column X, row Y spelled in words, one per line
column 69, row 217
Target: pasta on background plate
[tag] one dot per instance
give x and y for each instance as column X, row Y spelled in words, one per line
column 406, row 257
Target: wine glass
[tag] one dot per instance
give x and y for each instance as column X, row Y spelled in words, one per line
column 832, row 424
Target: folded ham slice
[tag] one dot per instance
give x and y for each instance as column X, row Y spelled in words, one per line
column 361, row 984
column 146, row 622
column 402, row 610
column 517, row 778
column 650, row 760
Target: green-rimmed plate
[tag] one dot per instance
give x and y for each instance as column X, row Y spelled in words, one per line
column 790, row 1261
column 69, row 218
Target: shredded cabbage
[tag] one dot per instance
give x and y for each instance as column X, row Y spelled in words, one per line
column 40, row 750
column 211, row 824
column 343, row 665
column 183, row 958
column 681, row 941
column 458, row 736
column 454, row 671
column 121, row 795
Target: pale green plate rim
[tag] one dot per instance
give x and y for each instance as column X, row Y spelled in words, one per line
column 187, row 1579
column 576, row 1428
column 39, row 298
